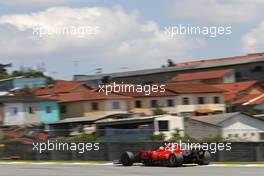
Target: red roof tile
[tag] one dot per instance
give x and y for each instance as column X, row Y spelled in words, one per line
column 251, row 99
column 237, row 86
column 60, row 86
column 212, row 74
column 192, row 88
column 234, row 89
column 230, row 96
column 87, row 95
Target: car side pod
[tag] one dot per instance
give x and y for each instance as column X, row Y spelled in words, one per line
column 127, row 159
column 175, row 160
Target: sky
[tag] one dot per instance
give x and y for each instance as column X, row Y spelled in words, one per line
column 123, row 35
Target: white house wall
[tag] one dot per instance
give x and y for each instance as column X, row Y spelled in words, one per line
column 22, row 116
column 123, row 104
column 34, row 117
column 14, row 119
column 244, row 127
column 175, row 122
column 179, row 107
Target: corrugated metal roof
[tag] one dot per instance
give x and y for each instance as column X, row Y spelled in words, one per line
column 78, row 119
column 215, row 119
column 131, row 119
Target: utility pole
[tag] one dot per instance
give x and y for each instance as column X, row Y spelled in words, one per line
column 76, row 66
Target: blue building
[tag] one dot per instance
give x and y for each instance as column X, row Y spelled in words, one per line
column 20, row 110
column 22, row 82
column 49, row 111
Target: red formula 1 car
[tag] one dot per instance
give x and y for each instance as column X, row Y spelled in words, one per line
column 169, row 154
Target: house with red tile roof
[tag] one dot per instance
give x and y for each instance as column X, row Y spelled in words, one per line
column 61, row 87
column 208, row 77
column 241, row 93
column 180, row 99
column 90, row 103
column 250, row 99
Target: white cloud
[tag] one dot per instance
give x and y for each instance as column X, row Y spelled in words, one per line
column 218, row 11
column 37, row 2
column 254, row 40
column 123, row 39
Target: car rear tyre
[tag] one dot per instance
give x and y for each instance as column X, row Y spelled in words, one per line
column 205, row 160
column 175, row 160
column 127, row 159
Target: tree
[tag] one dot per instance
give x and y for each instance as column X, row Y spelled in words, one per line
column 26, row 72
column 3, row 71
column 159, row 111
column 158, row 137
column 170, row 63
column 29, row 73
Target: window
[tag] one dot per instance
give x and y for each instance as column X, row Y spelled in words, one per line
column 154, row 103
column 200, row 100
column 236, row 135
column 185, row 101
column 115, row 105
column 163, row 125
column 138, row 104
column 31, row 110
column 229, row 135
column 216, row 100
column 252, row 134
column 257, row 69
column 238, row 75
column 170, row 103
column 48, row 110
column 261, row 136
column 63, row 109
column 95, row 106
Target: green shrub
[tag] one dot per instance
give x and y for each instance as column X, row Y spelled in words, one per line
column 187, row 138
column 77, row 138
column 158, row 137
column 6, row 137
column 159, row 111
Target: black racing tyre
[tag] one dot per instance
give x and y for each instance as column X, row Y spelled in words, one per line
column 175, row 160
column 205, row 160
column 127, row 159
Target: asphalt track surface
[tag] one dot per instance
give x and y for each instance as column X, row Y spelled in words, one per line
column 110, row 170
